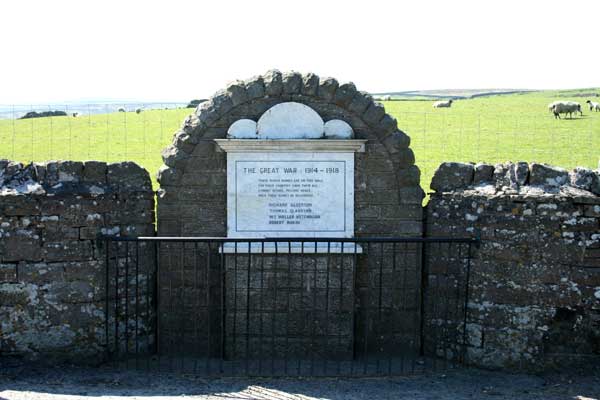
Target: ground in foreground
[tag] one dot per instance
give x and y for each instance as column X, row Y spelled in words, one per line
column 37, row 382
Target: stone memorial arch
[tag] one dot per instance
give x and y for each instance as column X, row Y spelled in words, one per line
column 367, row 186
column 192, row 197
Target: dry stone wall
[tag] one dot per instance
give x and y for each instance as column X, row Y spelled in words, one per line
column 52, row 274
column 535, row 280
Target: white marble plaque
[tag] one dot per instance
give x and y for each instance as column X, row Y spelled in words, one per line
column 290, row 194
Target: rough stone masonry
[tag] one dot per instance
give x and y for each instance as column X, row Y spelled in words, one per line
column 51, row 267
column 535, row 280
column 192, row 199
column 534, row 284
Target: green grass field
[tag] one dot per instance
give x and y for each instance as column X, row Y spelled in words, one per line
column 492, row 129
column 516, row 127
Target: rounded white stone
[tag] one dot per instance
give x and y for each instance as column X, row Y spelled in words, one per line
column 290, row 121
column 242, row 129
column 338, row 129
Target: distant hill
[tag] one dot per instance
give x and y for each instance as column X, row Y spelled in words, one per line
column 449, row 93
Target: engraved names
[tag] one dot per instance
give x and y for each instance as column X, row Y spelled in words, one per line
column 290, row 194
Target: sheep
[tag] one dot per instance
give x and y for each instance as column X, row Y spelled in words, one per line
column 121, row 109
column 382, row 98
column 138, row 110
column 75, row 114
column 443, row 104
column 566, row 107
column 593, row 105
column 551, row 106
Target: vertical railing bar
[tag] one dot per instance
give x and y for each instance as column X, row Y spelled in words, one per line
column 157, row 291
column 107, row 243
column 222, row 278
column 287, row 315
column 274, row 308
column 148, row 320
column 197, row 351
column 234, row 324
column 469, row 256
column 421, row 276
column 404, row 306
column 447, row 296
column 326, row 319
column 137, row 301
column 367, row 300
column 261, row 305
column 355, row 306
column 157, row 286
column 127, row 305
column 379, row 305
column 432, row 282
column 446, row 300
column 393, row 312
column 301, row 337
column 339, row 361
column 314, row 312
column 117, row 344
column 183, row 305
column 171, row 330
column 449, row 321
column 248, row 307
column 457, row 279
column 435, row 310
column 208, row 307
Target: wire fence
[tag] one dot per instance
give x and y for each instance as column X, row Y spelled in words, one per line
column 500, row 137
column 107, row 132
column 116, row 132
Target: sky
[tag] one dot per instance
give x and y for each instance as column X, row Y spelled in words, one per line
column 171, row 50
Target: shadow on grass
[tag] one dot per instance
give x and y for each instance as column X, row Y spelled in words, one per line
column 584, row 116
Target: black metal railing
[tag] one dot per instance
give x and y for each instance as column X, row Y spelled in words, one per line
column 287, row 306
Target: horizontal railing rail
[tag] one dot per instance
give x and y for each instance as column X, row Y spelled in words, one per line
column 205, row 239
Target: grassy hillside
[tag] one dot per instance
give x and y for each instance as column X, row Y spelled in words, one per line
column 493, row 129
column 108, row 137
column 500, row 128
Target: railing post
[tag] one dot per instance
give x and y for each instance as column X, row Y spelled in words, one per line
column 423, row 288
column 106, row 299
column 466, row 311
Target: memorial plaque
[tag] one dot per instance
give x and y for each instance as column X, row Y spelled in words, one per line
column 284, row 194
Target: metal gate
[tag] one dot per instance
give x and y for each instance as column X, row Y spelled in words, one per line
column 286, row 307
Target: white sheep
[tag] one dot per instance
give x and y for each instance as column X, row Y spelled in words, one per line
column 566, row 107
column 443, row 104
column 551, row 106
column 593, row 105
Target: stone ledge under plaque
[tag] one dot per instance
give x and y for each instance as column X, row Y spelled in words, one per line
column 291, row 145
column 290, row 248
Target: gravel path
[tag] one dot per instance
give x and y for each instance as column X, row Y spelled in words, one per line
column 35, row 382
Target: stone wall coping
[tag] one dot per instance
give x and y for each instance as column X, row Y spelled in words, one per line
column 52, row 178
column 520, row 180
column 523, row 196
column 291, row 146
